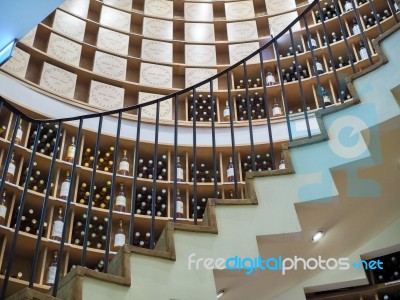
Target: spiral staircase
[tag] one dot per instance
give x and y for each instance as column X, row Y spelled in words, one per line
column 352, row 196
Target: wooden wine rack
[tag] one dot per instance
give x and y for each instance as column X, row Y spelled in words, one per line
column 131, row 84
column 142, row 222
column 132, row 87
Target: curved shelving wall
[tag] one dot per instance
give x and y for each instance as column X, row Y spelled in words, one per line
column 106, row 55
column 133, row 54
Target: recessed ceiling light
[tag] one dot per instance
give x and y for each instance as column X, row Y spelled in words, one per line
column 220, row 294
column 317, row 236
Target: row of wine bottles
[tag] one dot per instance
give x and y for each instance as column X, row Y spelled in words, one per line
column 330, row 10
column 372, row 19
column 50, row 271
column 295, row 72
column 104, row 160
column 253, row 106
column 254, row 83
column 390, row 270
column 203, row 109
column 30, row 219
column 101, row 198
column 47, row 141
column 96, row 233
column 101, row 195
column 37, row 181
column 200, row 207
column 203, row 173
column 262, row 163
column 144, row 200
column 98, row 266
column 312, row 42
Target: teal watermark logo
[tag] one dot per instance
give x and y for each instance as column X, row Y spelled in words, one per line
column 279, row 263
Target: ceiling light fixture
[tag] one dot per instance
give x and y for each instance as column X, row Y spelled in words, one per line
column 220, row 294
column 317, row 236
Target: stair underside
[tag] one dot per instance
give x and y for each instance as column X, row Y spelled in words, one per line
column 120, row 272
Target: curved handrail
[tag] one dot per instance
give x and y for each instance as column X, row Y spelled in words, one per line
column 170, row 96
column 215, row 176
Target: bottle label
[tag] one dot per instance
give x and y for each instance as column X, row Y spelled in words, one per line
column 120, row 200
column 363, row 53
column 326, row 99
column 3, row 211
column 270, row 79
column 282, row 166
column 51, row 274
column 71, row 152
column 119, row 240
column 124, row 165
column 226, row 113
column 65, row 189
column 57, row 228
column 348, row 6
column 230, row 172
column 179, row 172
column 11, row 169
column 179, row 207
column 19, row 134
column 356, row 29
column 276, row 111
column 319, row 66
column 313, row 43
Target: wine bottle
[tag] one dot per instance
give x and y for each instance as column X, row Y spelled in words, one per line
column 52, row 270
column 100, row 266
column 179, row 170
column 179, row 205
column 58, row 226
column 270, row 79
column 119, row 239
column 276, row 110
column 363, row 51
column 299, row 49
column 325, row 97
column 65, row 185
column 230, row 173
column 355, row 27
column 120, row 201
column 71, row 151
column 348, row 6
column 319, row 69
column 290, row 52
column 3, row 129
column 226, row 113
column 11, row 169
column 282, row 164
column 312, row 43
column 123, row 168
column 3, row 208
column 18, row 136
